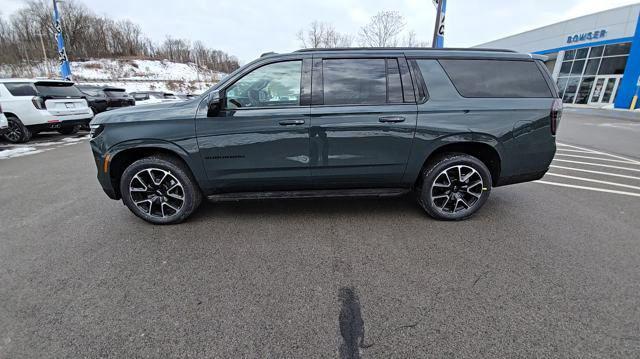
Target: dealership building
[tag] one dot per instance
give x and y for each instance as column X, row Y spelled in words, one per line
column 594, row 59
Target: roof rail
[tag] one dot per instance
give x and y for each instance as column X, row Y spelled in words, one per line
column 268, row 53
column 404, row 49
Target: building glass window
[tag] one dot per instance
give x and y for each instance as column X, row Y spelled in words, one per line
column 613, row 65
column 570, row 54
column 565, row 70
column 617, row 49
column 562, row 84
column 592, row 67
column 582, row 97
column 577, row 67
column 582, row 53
column 577, row 76
column 596, row 51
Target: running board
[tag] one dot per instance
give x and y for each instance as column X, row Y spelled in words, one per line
column 241, row 196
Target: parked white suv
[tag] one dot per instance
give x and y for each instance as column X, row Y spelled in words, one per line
column 4, row 125
column 32, row 106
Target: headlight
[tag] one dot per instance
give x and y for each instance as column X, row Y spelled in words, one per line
column 95, row 131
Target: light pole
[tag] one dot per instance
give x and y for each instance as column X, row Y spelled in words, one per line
column 65, row 68
column 438, row 32
column 44, row 54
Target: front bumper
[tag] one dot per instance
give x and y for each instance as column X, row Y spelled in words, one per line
column 104, row 175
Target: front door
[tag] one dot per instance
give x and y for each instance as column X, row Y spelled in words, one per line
column 361, row 127
column 259, row 140
column 604, row 90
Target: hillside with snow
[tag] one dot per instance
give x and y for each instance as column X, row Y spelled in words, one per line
column 133, row 75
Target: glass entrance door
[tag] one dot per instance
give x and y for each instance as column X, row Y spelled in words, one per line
column 604, row 90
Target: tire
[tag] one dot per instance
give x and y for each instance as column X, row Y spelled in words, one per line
column 455, row 200
column 69, row 130
column 170, row 201
column 18, row 133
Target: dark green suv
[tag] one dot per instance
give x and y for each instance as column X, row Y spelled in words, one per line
column 447, row 124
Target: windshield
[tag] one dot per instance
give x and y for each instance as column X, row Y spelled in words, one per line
column 58, row 89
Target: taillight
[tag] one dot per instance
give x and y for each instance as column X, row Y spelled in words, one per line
column 556, row 115
column 38, row 102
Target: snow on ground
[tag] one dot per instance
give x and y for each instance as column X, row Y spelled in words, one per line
column 133, row 75
column 142, row 70
column 15, row 150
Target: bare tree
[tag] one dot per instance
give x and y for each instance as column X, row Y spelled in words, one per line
column 382, row 30
column 410, row 40
column 88, row 35
column 323, row 35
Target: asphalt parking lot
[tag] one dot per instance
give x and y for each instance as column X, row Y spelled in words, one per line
column 546, row 269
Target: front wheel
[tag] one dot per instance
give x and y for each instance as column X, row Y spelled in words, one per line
column 454, row 187
column 160, row 190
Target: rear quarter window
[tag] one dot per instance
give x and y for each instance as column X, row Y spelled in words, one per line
column 21, row 89
column 496, row 78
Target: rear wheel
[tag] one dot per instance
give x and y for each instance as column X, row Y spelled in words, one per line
column 17, row 133
column 454, row 187
column 160, row 190
column 69, row 130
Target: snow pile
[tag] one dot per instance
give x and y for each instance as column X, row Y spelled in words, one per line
column 141, row 70
column 18, row 152
column 131, row 74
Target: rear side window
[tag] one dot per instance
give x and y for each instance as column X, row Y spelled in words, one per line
column 354, row 81
column 58, row 90
column 496, row 78
column 394, row 85
column 21, row 89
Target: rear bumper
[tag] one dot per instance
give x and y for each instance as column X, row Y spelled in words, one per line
column 527, row 177
column 58, row 125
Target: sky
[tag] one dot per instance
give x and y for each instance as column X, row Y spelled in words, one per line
column 248, row 28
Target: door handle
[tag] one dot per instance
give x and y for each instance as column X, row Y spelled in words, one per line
column 391, row 119
column 291, row 122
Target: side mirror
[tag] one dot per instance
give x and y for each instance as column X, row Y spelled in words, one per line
column 215, row 104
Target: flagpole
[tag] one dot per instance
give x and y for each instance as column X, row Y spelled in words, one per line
column 65, row 68
column 438, row 32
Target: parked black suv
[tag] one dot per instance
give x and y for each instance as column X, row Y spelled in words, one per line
column 447, row 124
column 103, row 99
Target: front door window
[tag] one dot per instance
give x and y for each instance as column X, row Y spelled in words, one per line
column 273, row 85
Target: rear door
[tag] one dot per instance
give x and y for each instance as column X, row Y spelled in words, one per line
column 363, row 118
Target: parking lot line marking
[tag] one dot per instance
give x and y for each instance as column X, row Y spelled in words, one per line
column 599, row 158
column 595, row 172
column 593, row 180
column 589, row 188
column 579, row 151
column 598, row 152
column 599, row 164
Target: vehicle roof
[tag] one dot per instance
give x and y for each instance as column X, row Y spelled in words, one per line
column 416, row 52
column 34, row 80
